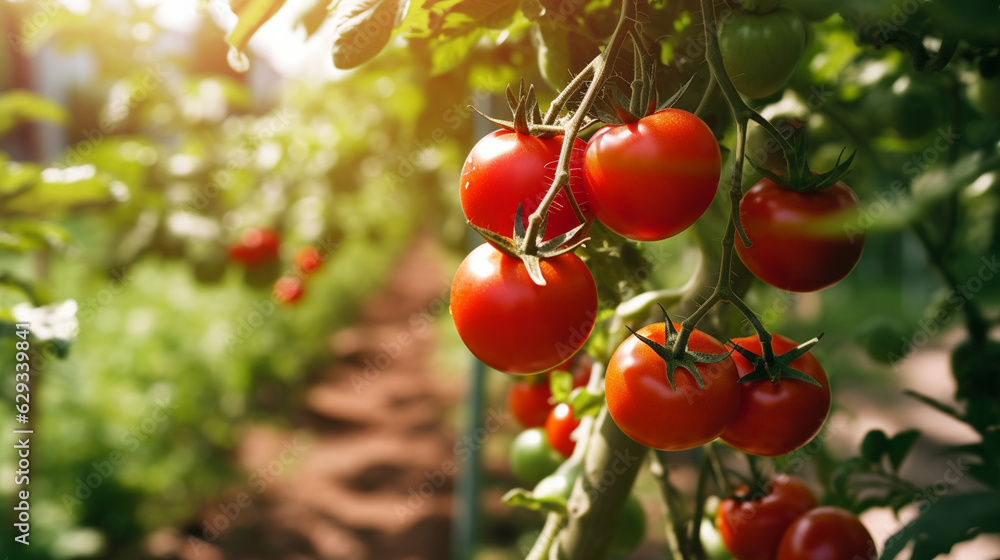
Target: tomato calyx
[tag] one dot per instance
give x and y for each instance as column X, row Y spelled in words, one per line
column 780, row 368
column 531, row 258
column 527, row 118
column 798, row 177
column 685, row 360
column 615, row 107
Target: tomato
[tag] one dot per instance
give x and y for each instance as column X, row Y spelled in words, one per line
column 648, row 410
column 288, row 289
column 917, row 108
column 559, row 427
column 528, row 400
column 514, row 325
column 812, row 10
column 827, row 533
column 759, row 6
column 984, row 94
column 631, row 529
column 797, row 244
column 711, row 542
column 308, row 259
column 751, row 526
column 257, row 246
column 651, row 179
column 760, row 51
column 532, row 458
column 507, row 168
column 778, row 418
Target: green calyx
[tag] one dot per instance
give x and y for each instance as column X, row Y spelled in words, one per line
column 686, row 359
column 781, row 367
column 527, row 118
column 798, row 176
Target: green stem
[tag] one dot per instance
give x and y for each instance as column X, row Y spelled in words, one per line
column 673, row 517
column 540, row 550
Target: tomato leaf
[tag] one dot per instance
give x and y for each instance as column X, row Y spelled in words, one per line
column 519, row 497
column 361, row 29
column 900, row 445
column 21, row 105
column 561, row 384
column 950, row 520
column 874, row 446
column 585, row 402
column 252, row 15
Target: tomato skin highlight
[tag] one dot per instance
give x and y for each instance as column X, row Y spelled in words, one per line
column 652, row 179
column 791, row 249
column 752, row 529
column 559, row 426
column 514, row 325
column 827, row 533
column 644, row 406
column 775, row 419
column 506, row 168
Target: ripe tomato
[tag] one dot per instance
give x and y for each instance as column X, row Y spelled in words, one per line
column 514, row 325
column 760, row 51
column 651, row 179
column 751, row 526
column 797, row 244
column 308, row 259
column 288, row 289
column 528, row 400
column 532, row 458
column 649, row 411
column 559, row 426
column 777, row 418
column 827, row 533
column 256, row 246
column 507, row 168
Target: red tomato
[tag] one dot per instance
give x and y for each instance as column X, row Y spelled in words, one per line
column 827, row 533
column 288, row 289
column 528, row 400
column 256, row 246
column 652, row 179
column 775, row 419
column 308, row 259
column 751, row 526
column 801, row 241
column 508, row 168
column 649, row 411
column 559, row 426
column 514, row 325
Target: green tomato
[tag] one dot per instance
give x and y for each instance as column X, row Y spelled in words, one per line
column 759, row 6
column 711, row 542
column 916, row 110
column 760, row 51
column 812, row 10
column 532, row 458
column 985, row 96
column 632, row 528
column 883, row 340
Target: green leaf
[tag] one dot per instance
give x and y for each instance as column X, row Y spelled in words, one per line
column 900, row 445
column 946, row 522
column 561, row 384
column 62, row 192
column 22, row 105
column 874, row 446
column 519, row 497
column 252, row 15
column 362, row 28
column 585, row 402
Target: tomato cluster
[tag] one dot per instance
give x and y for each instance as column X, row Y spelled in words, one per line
column 783, row 522
column 259, row 251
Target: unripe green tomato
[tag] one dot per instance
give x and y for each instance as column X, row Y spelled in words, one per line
column 760, row 51
column 632, row 528
column 532, row 458
column 759, row 6
column 883, row 340
column 711, row 541
column 917, row 108
column 984, row 95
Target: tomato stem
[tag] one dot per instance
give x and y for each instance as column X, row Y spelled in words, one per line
column 601, row 71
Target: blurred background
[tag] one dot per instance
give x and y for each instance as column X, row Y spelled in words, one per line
column 184, row 407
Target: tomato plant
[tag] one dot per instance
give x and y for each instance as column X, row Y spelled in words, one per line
column 506, row 169
column 532, row 458
column 775, row 418
column 529, row 400
column 652, row 179
column 800, row 242
column 650, row 411
column 761, row 51
column 514, row 325
column 559, row 427
column 826, row 533
column 751, row 525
